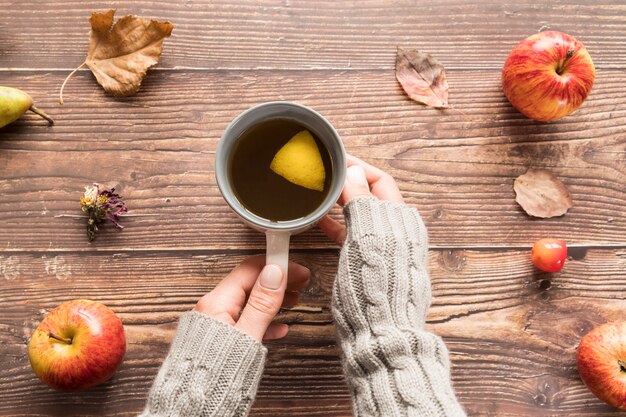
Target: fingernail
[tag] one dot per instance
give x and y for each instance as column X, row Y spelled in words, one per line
column 356, row 175
column 271, row 277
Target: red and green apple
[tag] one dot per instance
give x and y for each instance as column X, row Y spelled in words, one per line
column 79, row 344
column 601, row 360
column 548, row 75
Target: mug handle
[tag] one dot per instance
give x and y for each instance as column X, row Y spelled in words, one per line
column 278, row 248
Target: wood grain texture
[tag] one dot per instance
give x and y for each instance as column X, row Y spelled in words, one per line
column 458, row 169
column 511, row 331
column 280, row 34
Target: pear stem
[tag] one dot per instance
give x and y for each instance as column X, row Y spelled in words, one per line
column 66, row 340
column 66, row 79
column 43, row 114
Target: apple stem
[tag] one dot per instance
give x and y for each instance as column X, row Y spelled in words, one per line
column 622, row 365
column 561, row 68
column 66, row 340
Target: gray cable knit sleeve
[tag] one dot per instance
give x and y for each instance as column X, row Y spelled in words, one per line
column 381, row 297
column 212, row 369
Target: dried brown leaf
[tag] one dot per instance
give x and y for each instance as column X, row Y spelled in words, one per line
column 422, row 77
column 120, row 54
column 542, row 194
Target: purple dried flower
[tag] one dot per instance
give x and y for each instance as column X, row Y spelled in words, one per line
column 101, row 204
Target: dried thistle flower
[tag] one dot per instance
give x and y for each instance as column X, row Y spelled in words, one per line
column 101, row 204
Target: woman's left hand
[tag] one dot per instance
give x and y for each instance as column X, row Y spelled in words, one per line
column 252, row 294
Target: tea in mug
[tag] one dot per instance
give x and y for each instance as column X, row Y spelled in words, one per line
column 259, row 170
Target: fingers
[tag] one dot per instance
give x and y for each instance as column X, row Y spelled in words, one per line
column 291, row 299
column 298, row 277
column 333, row 229
column 230, row 294
column 217, row 306
column 279, row 330
column 276, row 331
column 356, row 184
column 362, row 180
column 245, row 275
column 263, row 290
column 263, row 303
column 387, row 189
column 381, row 184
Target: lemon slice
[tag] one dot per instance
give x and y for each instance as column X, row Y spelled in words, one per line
column 299, row 162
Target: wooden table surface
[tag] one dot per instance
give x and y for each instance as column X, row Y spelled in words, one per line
column 511, row 331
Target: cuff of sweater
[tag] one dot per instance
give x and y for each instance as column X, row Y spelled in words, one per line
column 371, row 217
column 211, row 366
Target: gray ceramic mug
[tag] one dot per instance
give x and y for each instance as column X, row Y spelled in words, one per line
column 278, row 232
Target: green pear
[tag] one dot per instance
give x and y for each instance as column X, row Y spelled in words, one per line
column 14, row 103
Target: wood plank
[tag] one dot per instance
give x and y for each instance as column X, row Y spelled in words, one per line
column 457, row 167
column 281, row 34
column 511, row 331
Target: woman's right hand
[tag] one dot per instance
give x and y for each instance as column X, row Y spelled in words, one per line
column 362, row 180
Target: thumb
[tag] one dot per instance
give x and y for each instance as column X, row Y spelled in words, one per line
column 356, row 184
column 264, row 302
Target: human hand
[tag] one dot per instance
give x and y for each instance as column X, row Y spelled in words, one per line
column 252, row 294
column 362, row 180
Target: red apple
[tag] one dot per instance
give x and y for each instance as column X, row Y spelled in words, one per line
column 79, row 344
column 549, row 254
column 548, row 75
column 601, row 359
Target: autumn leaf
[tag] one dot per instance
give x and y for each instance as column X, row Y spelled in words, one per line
column 542, row 194
column 422, row 77
column 120, row 54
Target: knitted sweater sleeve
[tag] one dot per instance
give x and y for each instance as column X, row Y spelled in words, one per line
column 212, row 369
column 381, row 297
